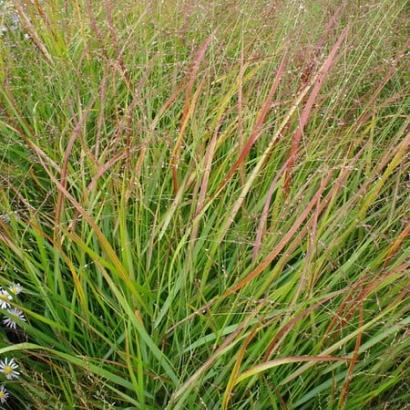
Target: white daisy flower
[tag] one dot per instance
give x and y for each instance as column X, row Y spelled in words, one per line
column 5, row 298
column 15, row 314
column 4, row 394
column 9, row 369
column 15, row 288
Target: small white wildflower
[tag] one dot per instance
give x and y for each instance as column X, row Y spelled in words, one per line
column 11, row 321
column 9, row 369
column 15, row 314
column 5, row 298
column 15, row 288
column 4, row 394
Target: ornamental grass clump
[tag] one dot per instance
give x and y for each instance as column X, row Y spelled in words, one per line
column 206, row 203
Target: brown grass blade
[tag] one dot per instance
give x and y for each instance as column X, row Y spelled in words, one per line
column 101, row 115
column 44, row 16
column 32, row 31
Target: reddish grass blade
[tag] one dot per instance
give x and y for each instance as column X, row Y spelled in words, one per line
column 44, row 16
column 319, row 208
column 101, row 114
column 296, row 242
column 186, row 113
column 338, row 317
column 168, row 103
column 395, row 246
column 291, row 324
column 205, row 179
column 324, row 70
column 105, row 167
column 281, row 245
column 351, row 302
column 258, row 127
column 64, row 169
column 355, row 357
column 331, row 24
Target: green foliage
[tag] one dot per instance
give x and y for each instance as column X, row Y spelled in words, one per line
column 206, row 203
